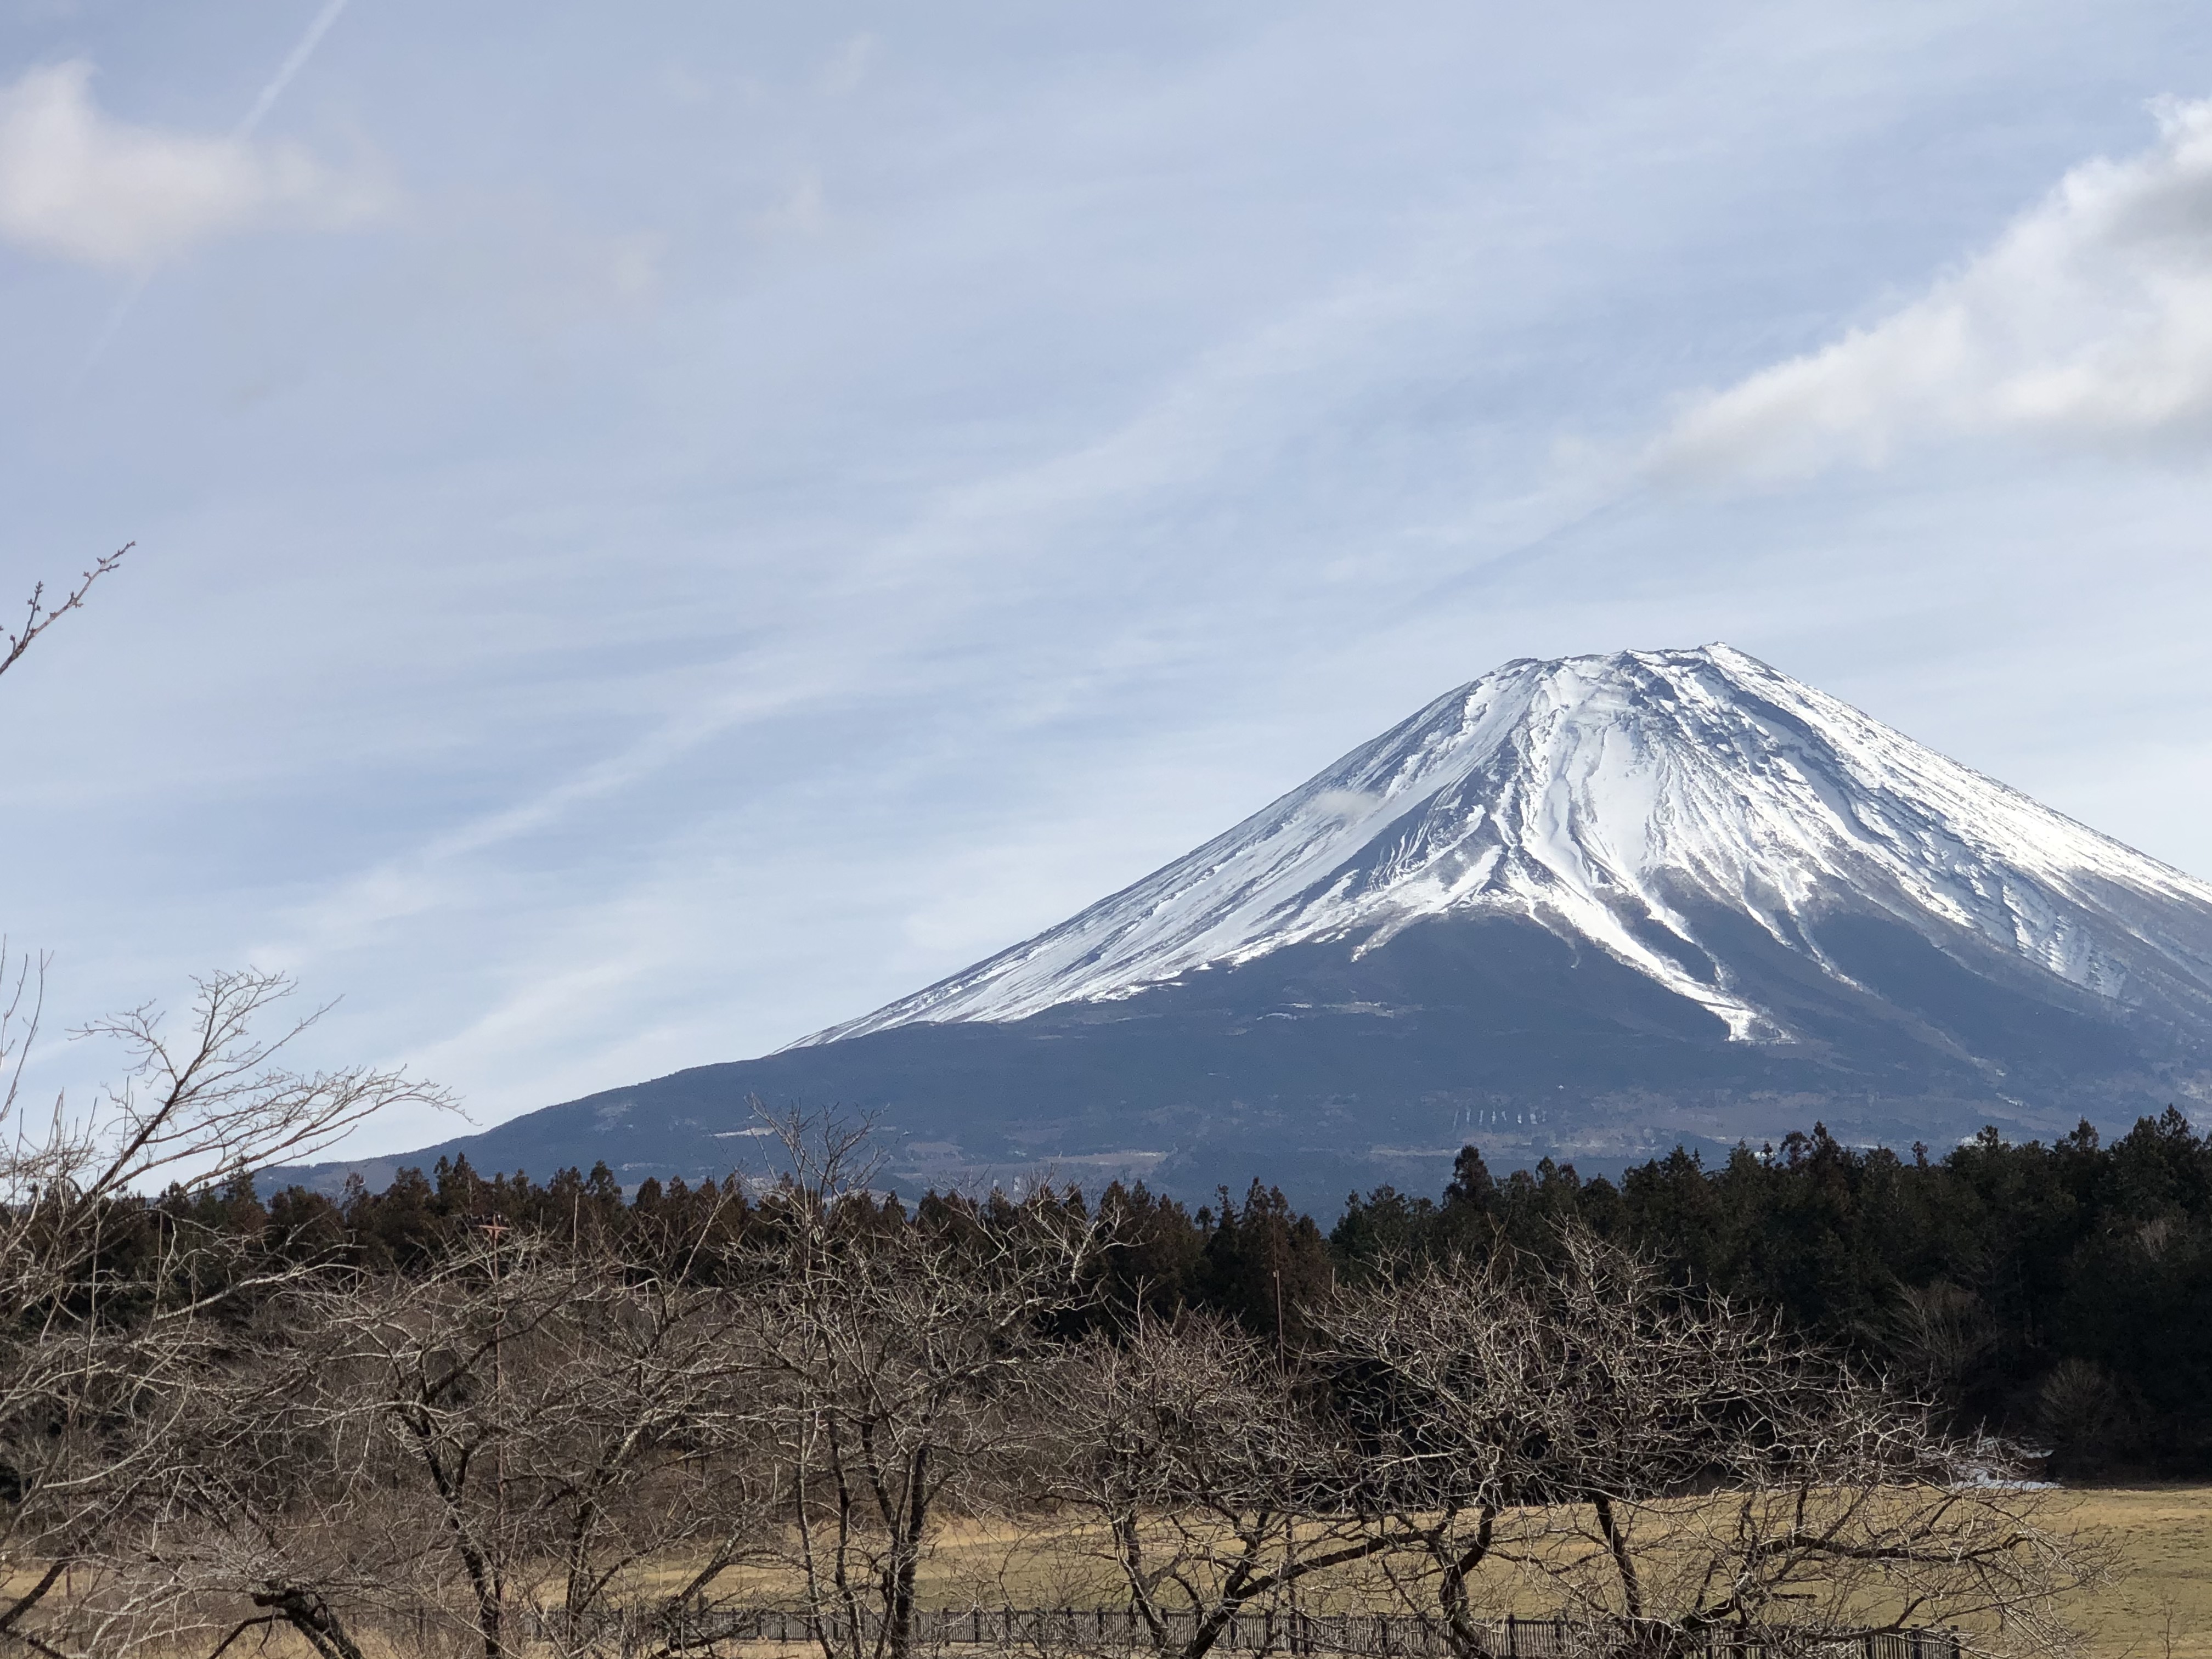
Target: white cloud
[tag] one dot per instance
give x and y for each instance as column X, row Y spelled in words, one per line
column 2090, row 319
column 77, row 183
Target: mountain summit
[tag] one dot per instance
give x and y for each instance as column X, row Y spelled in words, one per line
column 1626, row 803
column 1589, row 908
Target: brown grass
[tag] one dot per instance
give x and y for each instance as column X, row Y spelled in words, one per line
column 2160, row 1607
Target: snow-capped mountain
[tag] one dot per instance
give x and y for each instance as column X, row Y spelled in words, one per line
column 1610, row 799
column 1591, row 908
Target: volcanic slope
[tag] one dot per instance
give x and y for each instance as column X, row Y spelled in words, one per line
column 1587, row 909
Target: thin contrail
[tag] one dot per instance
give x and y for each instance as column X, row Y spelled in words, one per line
column 291, row 66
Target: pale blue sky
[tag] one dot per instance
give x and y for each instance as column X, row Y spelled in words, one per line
column 663, row 527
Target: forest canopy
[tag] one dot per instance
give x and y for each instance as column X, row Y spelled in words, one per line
column 2053, row 1292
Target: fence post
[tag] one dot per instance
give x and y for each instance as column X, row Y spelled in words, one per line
column 1512, row 1635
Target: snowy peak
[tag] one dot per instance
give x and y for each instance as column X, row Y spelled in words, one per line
column 1623, row 802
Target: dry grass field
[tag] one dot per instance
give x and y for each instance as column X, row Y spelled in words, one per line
column 2160, row 1608
column 2163, row 1605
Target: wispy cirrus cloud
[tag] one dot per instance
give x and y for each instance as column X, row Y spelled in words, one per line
column 78, row 184
column 2090, row 319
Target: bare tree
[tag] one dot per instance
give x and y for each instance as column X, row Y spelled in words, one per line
column 1660, row 1466
column 254, row 1508
column 118, row 1315
column 537, row 1438
column 640, row 1449
column 1211, row 1473
column 111, row 1307
column 892, row 1350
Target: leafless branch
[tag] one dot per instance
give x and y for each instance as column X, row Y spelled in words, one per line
column 40, row 616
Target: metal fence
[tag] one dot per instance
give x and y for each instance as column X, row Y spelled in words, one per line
column 1072, row 1632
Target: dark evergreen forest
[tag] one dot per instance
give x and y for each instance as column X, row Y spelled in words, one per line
column 2059, row 1294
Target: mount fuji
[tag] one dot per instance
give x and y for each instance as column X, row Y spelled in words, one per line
column 1587, row 908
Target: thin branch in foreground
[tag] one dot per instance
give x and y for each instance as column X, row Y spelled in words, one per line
column 40, row 616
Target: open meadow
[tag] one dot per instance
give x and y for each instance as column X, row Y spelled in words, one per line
column 2162, row 1603
column 2159, row 1607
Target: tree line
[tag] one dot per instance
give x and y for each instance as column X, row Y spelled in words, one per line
column 2058, row 1293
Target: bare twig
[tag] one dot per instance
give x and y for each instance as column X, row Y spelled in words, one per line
column 40, row 616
